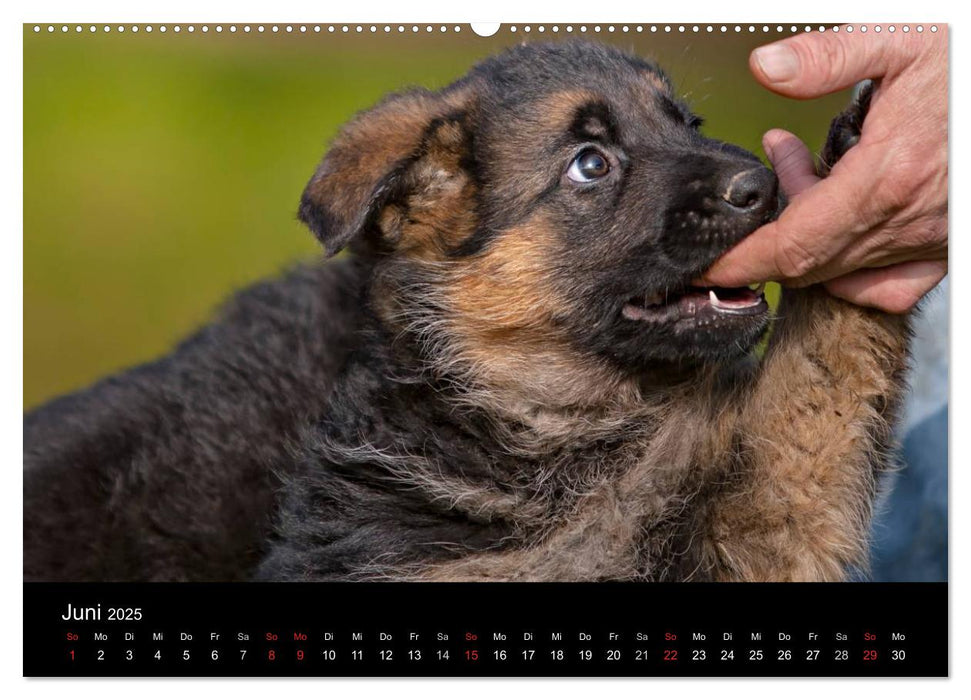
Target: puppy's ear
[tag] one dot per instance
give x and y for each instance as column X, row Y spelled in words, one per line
column 368, row 165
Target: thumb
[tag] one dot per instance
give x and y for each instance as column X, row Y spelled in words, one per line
column 792, row 161
column 818, row 63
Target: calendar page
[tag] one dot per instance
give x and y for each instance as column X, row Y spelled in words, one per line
column 485, row 350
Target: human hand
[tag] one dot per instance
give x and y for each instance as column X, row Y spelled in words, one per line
column 875, row 230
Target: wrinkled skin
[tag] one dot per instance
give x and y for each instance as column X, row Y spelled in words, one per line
column 876, row 230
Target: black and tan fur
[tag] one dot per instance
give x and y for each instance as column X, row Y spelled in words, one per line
column 474, row 393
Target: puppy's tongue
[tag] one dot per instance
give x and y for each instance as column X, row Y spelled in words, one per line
column 735, row 298
column 728, row 301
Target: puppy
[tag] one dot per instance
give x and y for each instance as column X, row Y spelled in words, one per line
column 510, row 377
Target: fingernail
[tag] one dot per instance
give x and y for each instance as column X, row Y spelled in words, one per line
column 778, row 62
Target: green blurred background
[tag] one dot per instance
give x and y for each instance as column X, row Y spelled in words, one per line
column 162, row 171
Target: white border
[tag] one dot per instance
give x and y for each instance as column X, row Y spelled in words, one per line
column 592, row 30
column 510, row 11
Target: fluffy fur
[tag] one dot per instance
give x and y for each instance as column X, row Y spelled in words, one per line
column 483, row 389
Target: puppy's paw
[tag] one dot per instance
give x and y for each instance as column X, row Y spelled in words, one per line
column 845, row 129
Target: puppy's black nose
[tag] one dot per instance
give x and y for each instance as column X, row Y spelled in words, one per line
column 752, row 191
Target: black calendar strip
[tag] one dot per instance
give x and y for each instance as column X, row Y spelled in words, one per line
column 425, row 629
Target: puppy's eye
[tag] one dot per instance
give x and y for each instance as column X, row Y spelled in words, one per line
column 588, row 166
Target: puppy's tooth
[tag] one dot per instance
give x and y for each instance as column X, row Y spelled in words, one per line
column 713, row 298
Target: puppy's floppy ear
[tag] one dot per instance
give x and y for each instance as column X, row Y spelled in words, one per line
column 366, row 167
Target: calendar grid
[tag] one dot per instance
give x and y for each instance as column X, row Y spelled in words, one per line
column 369, row 629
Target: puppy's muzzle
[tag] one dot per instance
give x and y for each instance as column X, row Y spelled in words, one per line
column 719, row 204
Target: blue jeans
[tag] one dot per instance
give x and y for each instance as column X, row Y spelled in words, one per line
column 910, row 527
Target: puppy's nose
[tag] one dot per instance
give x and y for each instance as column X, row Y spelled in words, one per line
column 752, row 191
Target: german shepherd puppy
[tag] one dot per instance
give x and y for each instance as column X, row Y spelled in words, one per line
column 510, row 377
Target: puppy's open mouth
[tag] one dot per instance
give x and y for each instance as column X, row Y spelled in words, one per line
column 698, row 302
